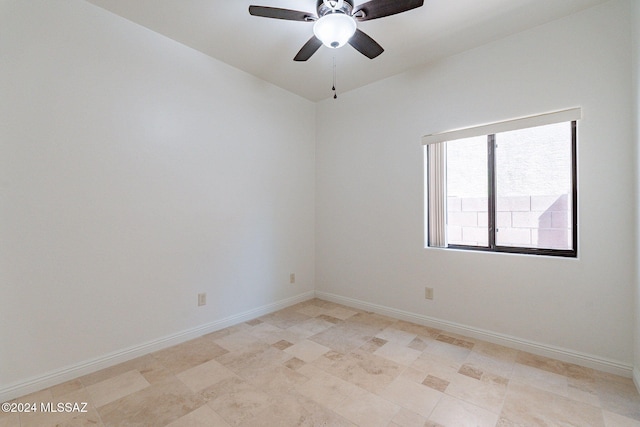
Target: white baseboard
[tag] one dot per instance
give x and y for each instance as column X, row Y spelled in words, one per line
column 59, row 376
column 562, row 354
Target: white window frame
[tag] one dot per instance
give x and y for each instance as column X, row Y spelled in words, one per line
column 435, row 180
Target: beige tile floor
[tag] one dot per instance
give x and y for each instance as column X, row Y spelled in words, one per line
column 322, row 364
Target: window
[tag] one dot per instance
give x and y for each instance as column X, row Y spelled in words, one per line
column 505, row 187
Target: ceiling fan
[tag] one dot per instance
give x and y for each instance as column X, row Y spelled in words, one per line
column 335, row 24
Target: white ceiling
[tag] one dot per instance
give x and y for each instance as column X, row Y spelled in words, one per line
column 265, row 47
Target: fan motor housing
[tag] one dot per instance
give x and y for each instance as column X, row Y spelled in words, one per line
column 323, row 9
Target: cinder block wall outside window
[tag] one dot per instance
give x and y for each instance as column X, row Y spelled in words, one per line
column 525, row 221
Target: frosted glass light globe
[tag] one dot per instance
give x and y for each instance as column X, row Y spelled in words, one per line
column 334, row 29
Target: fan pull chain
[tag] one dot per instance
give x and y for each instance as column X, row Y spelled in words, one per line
column 333, row 88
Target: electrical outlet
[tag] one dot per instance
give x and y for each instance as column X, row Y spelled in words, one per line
column 202, row 299
column 428, row 293
column 292, row 278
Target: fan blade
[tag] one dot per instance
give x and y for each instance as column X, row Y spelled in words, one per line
column 308, row 49
column 365, row 44
column 380, row 8
column 277, row 13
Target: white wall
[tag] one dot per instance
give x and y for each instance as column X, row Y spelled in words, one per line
column 636, row 110
column 134, row 174
column 369, row 232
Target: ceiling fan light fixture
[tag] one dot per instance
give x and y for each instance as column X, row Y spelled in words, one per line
column 334, row 29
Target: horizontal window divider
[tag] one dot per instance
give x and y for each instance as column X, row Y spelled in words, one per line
column 567, row 253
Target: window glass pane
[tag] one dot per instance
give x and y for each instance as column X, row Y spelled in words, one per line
column 467, row 192
column 533, row 187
